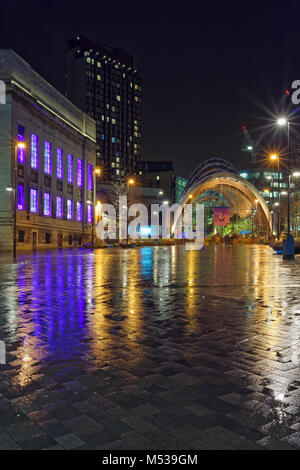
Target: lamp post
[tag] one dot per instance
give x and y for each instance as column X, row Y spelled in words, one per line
column 271, row 178
column 288, row 248
column 19, row 145
column 96, row 171
column 130, row 182
column 275, row 157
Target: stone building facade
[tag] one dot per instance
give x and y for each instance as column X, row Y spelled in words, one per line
column 54, row 180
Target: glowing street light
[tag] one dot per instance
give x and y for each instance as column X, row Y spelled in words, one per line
column 282, row 121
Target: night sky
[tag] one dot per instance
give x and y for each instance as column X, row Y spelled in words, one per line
column 206, row 67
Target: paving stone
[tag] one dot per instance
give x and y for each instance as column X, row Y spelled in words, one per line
column 70, row 441
column 83, row 425
column 7, row 442
column 23, row 431
column 292, row 440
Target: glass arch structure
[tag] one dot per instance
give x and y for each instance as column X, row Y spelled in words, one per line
column 221, row 176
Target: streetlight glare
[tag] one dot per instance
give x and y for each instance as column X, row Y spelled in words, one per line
column 281, row 121
column 21, row 145
column 97, row 171
column 274, row 156
column 131, row 181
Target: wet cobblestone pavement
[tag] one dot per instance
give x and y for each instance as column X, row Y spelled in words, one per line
column 153, row 348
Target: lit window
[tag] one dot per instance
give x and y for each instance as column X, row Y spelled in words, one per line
column 70, row 168
column 47, row 158
column 113, row 139
column 59, row 163
column 79, row 211
column 69, row 209
column 33, row 200
column 21, row 138
column 79, row 172
column 90, row 177
column 59, row 207
column 20, row 201
column 118, row 98
column 89, row 213
column 157, row 177
column 34, row 151
column 47, row 204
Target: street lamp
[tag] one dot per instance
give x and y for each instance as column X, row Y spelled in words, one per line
column 130, row 182
column 19, row 145
column 289, row 246
column 96, row 171
column 275, row 157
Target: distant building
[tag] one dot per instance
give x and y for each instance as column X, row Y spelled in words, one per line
column 265, row 179
column 163, row 177
column 55, row 170
column 104, row 82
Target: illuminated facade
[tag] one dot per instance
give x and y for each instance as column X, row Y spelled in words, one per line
column 54, row 171
column 105, row 83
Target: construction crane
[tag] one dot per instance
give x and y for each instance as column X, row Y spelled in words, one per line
column 251, row 145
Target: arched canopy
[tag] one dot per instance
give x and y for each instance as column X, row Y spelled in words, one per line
column 219, row 175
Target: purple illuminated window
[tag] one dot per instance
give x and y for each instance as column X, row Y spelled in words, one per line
column 59, row 163
column 90, row 177
column 21, row 138
column 69, row 209
column 34, row 151
column 89, row 213
column 47, row 158
column 79, row 172
column 79, row 212
column 47, row 204
column 70, row 168
column 33, row 200
column 20, row 200
column 59, row 207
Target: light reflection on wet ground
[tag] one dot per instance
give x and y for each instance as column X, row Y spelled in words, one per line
column 150, row 348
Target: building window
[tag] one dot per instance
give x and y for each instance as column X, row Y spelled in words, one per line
column 21, row 236
column 70, row 168
column 33, row 200
column 47, row 158
column 34, row 151
column 90, row 177
column 79, row 212
column 21, row 151
column 47, row 238
column 89, row 213
column 79, row 172
column 20, row 200
column 69, row 209
column 59, row 163
column 47, row 204
column 59, row 207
